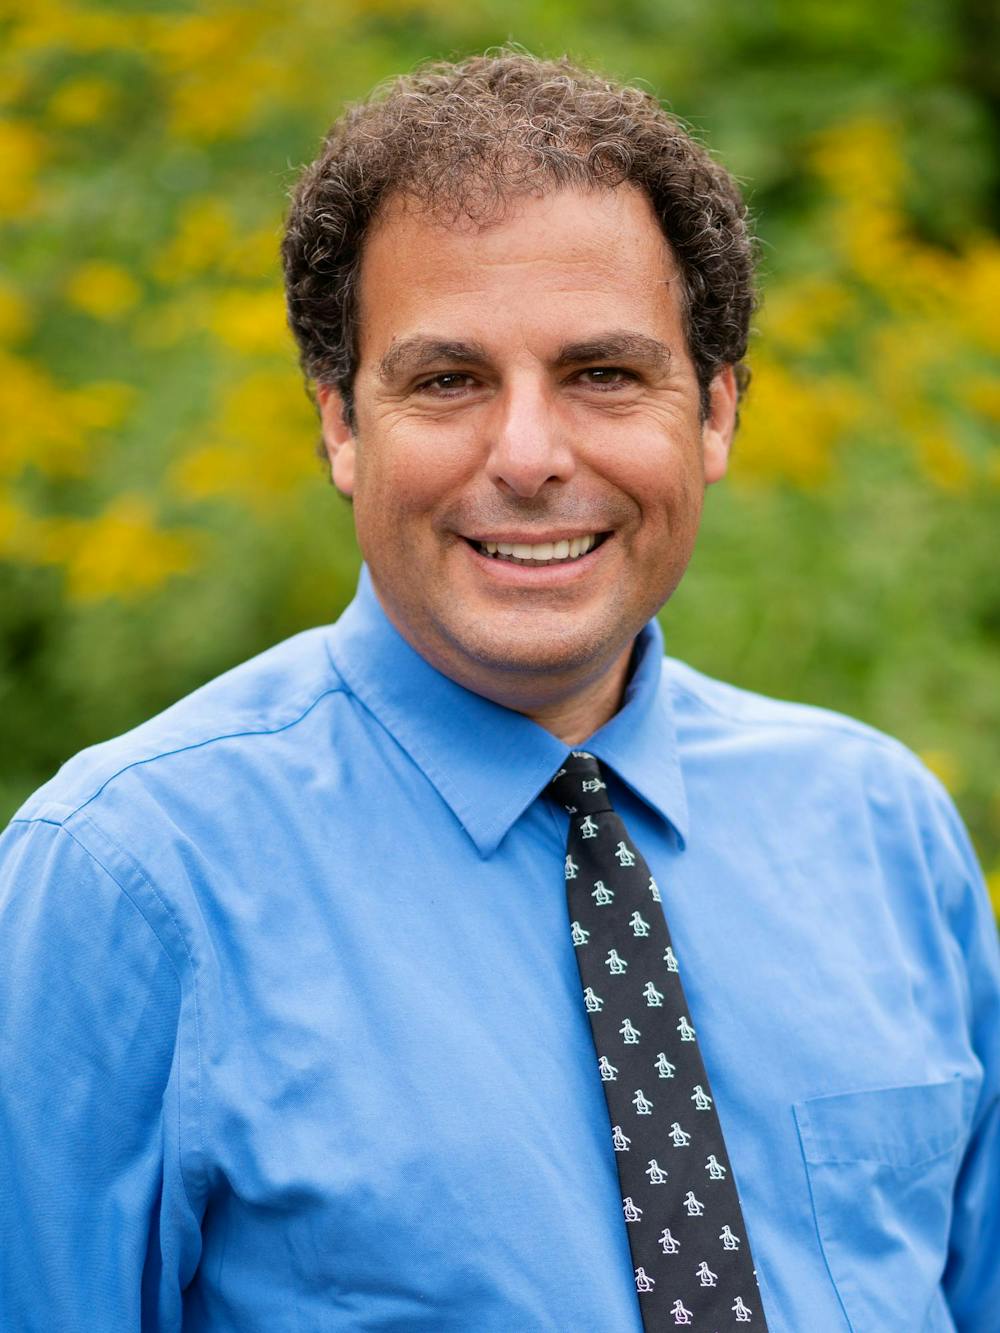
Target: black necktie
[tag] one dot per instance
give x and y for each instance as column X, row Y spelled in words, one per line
column 685, row 1227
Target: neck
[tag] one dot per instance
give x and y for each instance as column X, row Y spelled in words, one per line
column 575, row 718
column 570, row 705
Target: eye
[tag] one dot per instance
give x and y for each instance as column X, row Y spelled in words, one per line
column 445, row 385
column 606, row 377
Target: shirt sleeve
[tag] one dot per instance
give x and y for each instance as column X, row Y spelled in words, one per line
column 95, row 1228
column 972, row 1276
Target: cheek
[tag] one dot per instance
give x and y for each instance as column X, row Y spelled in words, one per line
column 667, row 489
column 390, row 476
column 398, row 490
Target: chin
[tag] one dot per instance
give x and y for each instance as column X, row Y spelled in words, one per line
column 524, row 649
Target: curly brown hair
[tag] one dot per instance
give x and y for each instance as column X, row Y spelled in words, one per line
column 464, row 139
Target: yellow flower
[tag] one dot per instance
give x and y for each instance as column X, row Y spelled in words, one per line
column 170, row 322
column 15, row 84
column 119, row 553
column 18, row 533
column 82, row 101
column 208, row 240
column 977, row 294
column 250, row 321
column 203, row 107
column 256, row 254
column 67, row 26
column 207, row 41
column 205, row 236
column 221, row 68
column 923, row 281
column 101, row 404
column 14, row 317
column 791, row 425
column 943, row 460
column 257, row 451
column 981, row 393
column 993, row 885
column 103, row 290
column 36, row 425
column 22, row 152
column 945, row 766
column 801, row 316
column 51, row 428
column 860, row 162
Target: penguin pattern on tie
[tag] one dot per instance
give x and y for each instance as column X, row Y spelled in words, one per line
column 690, row 1253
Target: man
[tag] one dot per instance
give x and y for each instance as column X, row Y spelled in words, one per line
column 298, row 1032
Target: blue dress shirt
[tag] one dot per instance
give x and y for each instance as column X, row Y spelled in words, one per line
column 292, row 1036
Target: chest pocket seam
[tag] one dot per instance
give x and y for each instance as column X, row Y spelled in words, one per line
column 841, row 1128
column 904, row 1134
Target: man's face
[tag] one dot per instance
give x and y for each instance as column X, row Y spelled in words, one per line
column 525, row 385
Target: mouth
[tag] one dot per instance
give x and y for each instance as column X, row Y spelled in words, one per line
column 535, row 554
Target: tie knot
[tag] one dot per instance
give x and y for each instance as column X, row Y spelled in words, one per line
column 579, row 786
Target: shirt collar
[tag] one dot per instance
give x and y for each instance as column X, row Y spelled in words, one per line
column 462, row 741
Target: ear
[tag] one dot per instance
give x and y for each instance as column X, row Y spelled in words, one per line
column 338, row 438
column 718, row 427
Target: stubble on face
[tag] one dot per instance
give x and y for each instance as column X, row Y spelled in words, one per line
column 526, row 442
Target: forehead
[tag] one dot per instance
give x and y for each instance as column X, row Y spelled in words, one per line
column 566, row 263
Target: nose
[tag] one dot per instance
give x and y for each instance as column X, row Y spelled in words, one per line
column 529, row 445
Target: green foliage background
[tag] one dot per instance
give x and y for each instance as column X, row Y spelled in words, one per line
column 162, row 513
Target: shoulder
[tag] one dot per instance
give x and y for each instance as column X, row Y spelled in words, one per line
column 801, row 756
column 709, row 711
column 231, row 716
column 805, row 752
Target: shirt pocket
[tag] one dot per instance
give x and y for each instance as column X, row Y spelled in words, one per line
column 882, row 1168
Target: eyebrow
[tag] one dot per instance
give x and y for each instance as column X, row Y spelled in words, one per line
column 620, row 345
column 409, row 355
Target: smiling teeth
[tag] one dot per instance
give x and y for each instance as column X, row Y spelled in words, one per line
column 541, row 551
